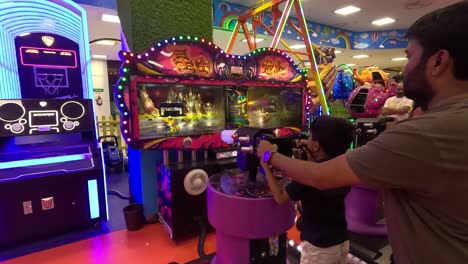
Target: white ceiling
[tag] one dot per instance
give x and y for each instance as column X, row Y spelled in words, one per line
column 405, row 12
column 323, row 14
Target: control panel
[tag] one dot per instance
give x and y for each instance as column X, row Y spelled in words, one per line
column 45, row 116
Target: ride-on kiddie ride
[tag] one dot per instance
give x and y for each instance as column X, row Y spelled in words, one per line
column 113, row 155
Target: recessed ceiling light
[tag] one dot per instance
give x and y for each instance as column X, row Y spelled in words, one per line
column 351, row 64
column 347, row 10
column 361, row 56
column 399, row 59
column 383, row 21
column 298, row 46
column 99, row 56
column 256, row 40
column 105, row 42
column 110, row 18
column 338, row 51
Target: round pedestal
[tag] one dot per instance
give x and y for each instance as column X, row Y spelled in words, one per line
column 362, row 212
column 241, row 211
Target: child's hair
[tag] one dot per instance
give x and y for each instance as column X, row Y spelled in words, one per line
column 333, row 134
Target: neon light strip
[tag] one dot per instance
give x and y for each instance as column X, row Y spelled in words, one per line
column 314, row 69
column 43, row 161
column 93, row 199
column 48, row 65
column 282, row 23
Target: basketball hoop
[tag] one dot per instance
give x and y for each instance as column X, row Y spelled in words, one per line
column 49, row 82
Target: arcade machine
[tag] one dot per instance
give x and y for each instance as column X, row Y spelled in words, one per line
column 258, row 236
column 177, row 98
column 51, row 168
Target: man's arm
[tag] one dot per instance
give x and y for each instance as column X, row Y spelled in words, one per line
column 279, row 193
column 396, row 111
column 325, row 175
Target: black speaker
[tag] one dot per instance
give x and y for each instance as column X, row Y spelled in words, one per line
column 72, row 110
column 11, row 112
column 181, row 189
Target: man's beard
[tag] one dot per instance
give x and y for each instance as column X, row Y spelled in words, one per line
column 417, row 86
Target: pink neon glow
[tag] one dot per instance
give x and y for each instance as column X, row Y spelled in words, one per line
column 43, row 65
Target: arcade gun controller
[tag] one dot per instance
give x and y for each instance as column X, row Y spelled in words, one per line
column 248, row 138
column 250, row 226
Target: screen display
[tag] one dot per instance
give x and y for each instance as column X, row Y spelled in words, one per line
column 43, row 118
column 265, row 107
column 48, row 66
column 34, row 56
column 180, row 109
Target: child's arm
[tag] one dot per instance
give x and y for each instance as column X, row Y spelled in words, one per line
column 279, row 193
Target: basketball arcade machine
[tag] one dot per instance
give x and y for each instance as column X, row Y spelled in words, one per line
column 180, row 95
column 51, row 167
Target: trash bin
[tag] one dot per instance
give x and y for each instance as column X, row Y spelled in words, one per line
column 134, row 217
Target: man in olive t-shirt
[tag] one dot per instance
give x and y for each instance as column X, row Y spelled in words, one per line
column 422, row 166
column 420, row 163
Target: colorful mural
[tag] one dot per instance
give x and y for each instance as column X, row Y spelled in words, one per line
column 389, row 39
column 225, row 16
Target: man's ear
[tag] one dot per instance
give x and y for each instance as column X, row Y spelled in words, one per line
column 439, row 62
column 315, row 146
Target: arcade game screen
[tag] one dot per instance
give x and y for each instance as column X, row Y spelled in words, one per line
column 180, row 109
column 264, row 107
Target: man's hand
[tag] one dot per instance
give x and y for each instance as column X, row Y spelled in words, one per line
column 265, row 146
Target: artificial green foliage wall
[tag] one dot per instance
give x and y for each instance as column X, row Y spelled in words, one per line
column 147, row 21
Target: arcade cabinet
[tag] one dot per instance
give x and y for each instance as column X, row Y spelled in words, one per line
column 177, row 98
column 51, row 169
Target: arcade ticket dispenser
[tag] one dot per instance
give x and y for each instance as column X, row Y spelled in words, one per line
column 51, row 168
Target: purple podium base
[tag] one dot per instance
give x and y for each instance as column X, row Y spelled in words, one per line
column 238, row 219
column 362, row 211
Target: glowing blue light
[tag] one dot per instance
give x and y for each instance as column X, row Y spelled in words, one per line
column 125, row 113
column 121, row 105
column 43, row 161
column 119, row 96
column 93, row 199
column 166, row 41
column 159, row 44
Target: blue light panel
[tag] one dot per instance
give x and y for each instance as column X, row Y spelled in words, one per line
column 42, row 161
column 93, row 199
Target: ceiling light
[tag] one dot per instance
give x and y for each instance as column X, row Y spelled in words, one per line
column 307, row 63
column 383, row 21
column 110, row 18
column 399, row 59
column 298, row 46
column 105, row 42
column 351, row 64
column 347, row 10
column 24, row 34
column 338, row 51
column 361, row 56
column 99, row 56
column 256, row 40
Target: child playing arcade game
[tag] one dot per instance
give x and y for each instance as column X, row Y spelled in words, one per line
column 324, row 235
